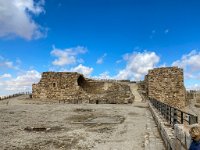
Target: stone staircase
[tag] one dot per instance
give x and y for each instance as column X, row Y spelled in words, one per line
column 134, row 90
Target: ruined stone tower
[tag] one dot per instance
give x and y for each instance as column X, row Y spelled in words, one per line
column 166, row 85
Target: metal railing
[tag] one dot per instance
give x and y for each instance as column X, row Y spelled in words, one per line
column 174, row 115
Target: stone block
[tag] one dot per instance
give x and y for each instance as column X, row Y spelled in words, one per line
column 179, row 133
column 188, row 139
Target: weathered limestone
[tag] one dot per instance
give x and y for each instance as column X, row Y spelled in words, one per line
column 74, row 88
column 183, row 138
column 166, row 85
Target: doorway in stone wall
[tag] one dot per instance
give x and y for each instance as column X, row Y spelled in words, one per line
column 81, row 81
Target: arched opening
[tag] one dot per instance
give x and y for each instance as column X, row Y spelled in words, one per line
column 81, row 81
column 54, row 84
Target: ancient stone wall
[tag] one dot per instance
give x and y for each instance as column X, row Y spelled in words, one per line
column 197, row 96
column 55, row 85
column 166, row 85
column 190, row 95
column 193, row 95
column 74, row 88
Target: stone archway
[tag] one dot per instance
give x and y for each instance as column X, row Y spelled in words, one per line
column 81, row 81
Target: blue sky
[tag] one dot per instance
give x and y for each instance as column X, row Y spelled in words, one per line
column 119, row 39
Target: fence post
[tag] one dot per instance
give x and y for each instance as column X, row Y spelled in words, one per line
column 160, row 108
column 170, row 111
column 167, row 113
column 181, row 117
column 164, row 110
column 157, row 105
column 175, row 116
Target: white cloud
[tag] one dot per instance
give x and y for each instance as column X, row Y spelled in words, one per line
column 20, row 83
column 119, row 61
column 137, row 65
column 191, row 64
column 18, row 61
column 104, row 75
column 6, row 75
column 101, row 59
column 195, row 86
column 5, row 63
column 16, row 19
column 190, row 60
column 86, row 71
column 67, row 56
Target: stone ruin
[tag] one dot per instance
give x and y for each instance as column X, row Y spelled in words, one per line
column 193, row 96
column 73, row 87
column 166, row 85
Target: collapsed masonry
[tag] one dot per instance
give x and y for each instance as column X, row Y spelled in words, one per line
column 166, row 85
column 74, row 88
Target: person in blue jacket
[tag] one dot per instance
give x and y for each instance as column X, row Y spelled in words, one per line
column 195, row 135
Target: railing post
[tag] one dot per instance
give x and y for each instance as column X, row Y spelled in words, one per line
column 175, row 117
column 161, row 108
column 167, row 113
column 164, row 110
column 181, row 117
column 157, row 106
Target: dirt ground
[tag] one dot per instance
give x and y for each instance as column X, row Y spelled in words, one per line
column 26, row 124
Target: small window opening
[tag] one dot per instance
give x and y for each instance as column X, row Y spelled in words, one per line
column 54, row 84
column 97, row 101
